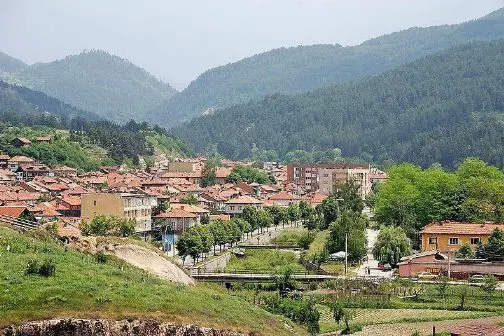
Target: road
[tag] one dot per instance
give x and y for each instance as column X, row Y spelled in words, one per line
column 371, row 263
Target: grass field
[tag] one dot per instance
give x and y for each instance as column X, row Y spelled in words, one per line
column 289, row 237
column 392, row 316
column 274, row 261
column 318, row 244
column 83, row 288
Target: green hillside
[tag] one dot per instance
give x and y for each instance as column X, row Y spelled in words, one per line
column 81, row 139
column 305, row 68
column 96, row 81
column 83, row 288
column 442, row 109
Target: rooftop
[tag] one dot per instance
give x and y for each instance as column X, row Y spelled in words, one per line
column 449, row 227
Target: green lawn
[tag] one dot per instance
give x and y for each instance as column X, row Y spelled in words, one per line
column 289, row 237
column 274, row 261
column 83, row 288
column 318, row 244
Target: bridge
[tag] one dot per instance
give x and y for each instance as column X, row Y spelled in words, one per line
column 257, row 276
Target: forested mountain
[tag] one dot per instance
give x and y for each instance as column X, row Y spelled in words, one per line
column 305, row 68
column 10, row 64
column 442, row 109
column 16, row 101
column 96, row 81
column 81, row 139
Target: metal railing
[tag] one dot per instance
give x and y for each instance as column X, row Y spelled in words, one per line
column 18, row 223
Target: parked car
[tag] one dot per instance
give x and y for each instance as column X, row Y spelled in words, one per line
column 387, row 268
column 426, row 276
column 476, row 278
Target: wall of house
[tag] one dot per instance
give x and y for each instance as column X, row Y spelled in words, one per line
column 181, row 167
column 101, row 204
column 443, row 241
column 435, row 267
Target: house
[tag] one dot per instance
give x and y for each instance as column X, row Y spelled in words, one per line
column 126, row 205
column 14, row 162
column 65, row 171
column 221, row 175
column 235, row 205
column 285, row 199
column 14, row 211
column 7, row 176
column 179, row 219
column 449, row 236
column 195, row 210
column 4, row 161
column 43, row 139
column 29, row 171
column 68, row 206
column 20, row 142
column 439, row 263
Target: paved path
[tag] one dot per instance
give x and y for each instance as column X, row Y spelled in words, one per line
column 230, row 277
column 371, row 263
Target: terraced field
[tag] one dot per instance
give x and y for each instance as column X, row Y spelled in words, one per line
column 391, row 317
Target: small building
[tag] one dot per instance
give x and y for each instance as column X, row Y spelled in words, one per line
column 20, row 142
column 178, row 219
column 29, row 171
column 14, row 211
column 285, row 199
column 449, row 236
column 125, row 205
column 43, row 139
column 14, row 162
column 4, row 161
column 235, row 206
column 65, row 171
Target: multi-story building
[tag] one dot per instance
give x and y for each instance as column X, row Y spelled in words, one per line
column 235, row 206
column 125, row 205
column 323, row 177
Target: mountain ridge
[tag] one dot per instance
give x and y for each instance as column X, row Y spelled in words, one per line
column 441, row 108
column 293, row 70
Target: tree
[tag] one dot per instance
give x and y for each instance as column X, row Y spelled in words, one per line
column 248, row 174
column 342, row 314
column 243, row 225
column 109, row 226
column 354, row 225
column 274, row 211
column 209, row 177
column 190, row 243
column 207, row 240
column 305, row 211
column 465, row 252
column 495, row 246
column 442, row 286
column 463, row 292
column 249, row 214
column 264, row 219
column 218, row 231
column 391, row 245
column 330, row 210
column 293, row 212
column 349, row 193
column 480, row 251
column 190, row 198
column 489, row 286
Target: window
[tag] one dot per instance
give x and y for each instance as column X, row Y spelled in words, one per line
column 432, row 240
column 231, row 207
column 240, row 207
column 326, row 175
column 94, row 203
column 453, row 241
column 475, row 240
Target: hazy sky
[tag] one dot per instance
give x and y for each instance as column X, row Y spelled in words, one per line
column 176, row 40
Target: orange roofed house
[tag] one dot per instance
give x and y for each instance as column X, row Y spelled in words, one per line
column 450, row 236
column 235, row 205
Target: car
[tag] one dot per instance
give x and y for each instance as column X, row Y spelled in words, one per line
column 426, row 276
column 476, row 278
column 387, row 268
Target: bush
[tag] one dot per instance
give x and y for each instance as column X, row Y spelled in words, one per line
column 101, row 257
column 46, row 268
column 32, row 267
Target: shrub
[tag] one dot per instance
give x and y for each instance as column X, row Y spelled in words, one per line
column 47, row 268
column 101, row 257
column 32, row 267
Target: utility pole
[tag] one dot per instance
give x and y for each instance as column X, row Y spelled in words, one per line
column 346, row 253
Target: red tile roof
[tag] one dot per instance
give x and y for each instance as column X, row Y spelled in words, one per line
column 176, row 213
column 12, row 211
column 244, row 200
column 21, row 158
column 284, row 196
column 4, row 157
column 460, row 228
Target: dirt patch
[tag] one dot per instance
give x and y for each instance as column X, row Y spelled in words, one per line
column 137, row 256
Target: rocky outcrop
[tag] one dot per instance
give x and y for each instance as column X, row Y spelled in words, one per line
column 77, row 327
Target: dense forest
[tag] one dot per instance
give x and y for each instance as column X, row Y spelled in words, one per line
column 80, row 139
column 95, row 81
column 441, row 109
column 305, row 68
